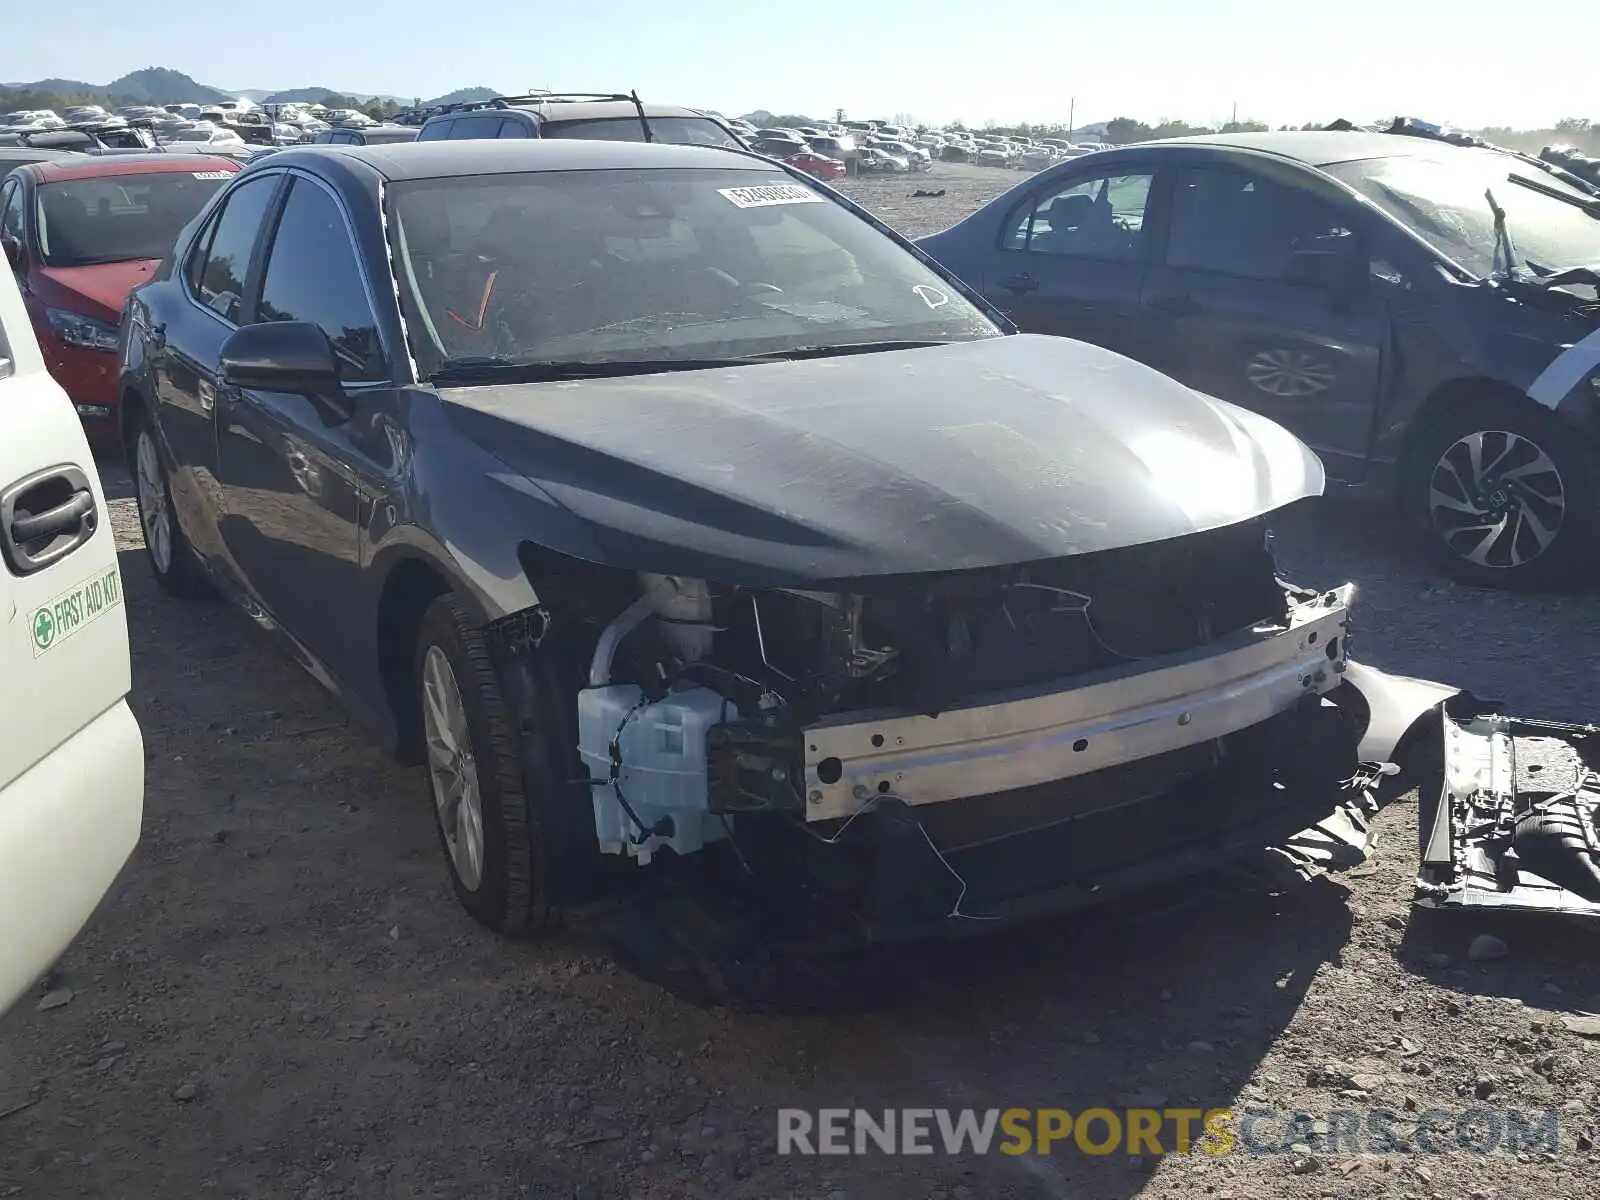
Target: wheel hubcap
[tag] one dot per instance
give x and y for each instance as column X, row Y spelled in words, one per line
column 1287, row 372
column 452, row 768
column 153, row 514
column 1497, row 499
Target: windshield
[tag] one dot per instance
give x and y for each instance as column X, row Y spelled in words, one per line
column 1443, row 200
column 119, row 218
column 682, row 131
column 610, row 266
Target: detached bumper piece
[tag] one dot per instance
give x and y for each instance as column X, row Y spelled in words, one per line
column 1512, row 824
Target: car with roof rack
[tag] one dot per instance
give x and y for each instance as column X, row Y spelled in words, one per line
column 1421, row 307
column 592, row 115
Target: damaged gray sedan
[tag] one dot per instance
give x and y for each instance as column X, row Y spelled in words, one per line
column 681, row 518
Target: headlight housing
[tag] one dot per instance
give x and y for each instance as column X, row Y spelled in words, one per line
column 78, row 330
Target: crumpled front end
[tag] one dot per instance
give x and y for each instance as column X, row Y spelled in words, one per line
column 952, row 751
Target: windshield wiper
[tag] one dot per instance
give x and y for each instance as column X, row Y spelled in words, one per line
column 497, row 369
column 1586, row 206
column 510, row 370
column 1504, row 265
column 843, row 348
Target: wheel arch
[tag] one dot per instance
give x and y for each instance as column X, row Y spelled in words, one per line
column 1444, row 397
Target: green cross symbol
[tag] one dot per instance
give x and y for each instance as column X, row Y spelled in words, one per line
column 44, row 629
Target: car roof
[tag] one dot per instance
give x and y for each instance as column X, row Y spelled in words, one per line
column 1315, row 147
column 89, row 166
column 442, row 159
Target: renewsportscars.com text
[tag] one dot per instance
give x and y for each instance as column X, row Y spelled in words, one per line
column 1163, row 1131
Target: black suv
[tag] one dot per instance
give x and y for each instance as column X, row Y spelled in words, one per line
column 596, row 116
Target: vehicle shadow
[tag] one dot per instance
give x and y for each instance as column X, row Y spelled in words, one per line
column 1550, row 962
column 1168, row 1000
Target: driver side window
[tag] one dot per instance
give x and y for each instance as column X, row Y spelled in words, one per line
column 1099, row 218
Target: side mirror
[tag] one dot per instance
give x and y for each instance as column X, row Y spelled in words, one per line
column 1331, row 269
column 13, row 252
column 287, row 356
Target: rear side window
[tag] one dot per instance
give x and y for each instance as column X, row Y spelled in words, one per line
column 510, row 127
column 475, row 128
column 313, row 275
column 225, row 261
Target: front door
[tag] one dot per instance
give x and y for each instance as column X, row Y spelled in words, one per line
column 291, row 494
column 1264, row 297
column 1072, row 259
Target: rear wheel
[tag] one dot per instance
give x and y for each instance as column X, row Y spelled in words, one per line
column 172, row 559
column 1505, row 494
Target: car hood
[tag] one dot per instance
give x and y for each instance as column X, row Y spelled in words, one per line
column 98, row 290
column 976, row 454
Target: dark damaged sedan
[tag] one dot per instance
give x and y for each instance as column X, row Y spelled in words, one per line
column 674, row 512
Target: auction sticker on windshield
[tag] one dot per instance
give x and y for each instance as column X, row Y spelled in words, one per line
column 212, row 174
column 53, row 623
column 770, row 194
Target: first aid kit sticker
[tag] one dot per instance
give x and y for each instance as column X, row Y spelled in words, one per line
column 53, row 623
column 770, row 194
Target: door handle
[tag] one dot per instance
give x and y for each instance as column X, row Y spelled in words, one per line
column 46, row 516
column 1019, row 283
column 207, row 394
column 63, row 518
column 1177, row 306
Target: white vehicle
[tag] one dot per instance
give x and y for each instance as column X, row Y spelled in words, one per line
column 71, row 754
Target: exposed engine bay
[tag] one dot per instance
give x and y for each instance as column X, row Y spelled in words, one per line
column 975, row 744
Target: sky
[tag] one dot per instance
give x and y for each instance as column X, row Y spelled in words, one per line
column 1524, row 65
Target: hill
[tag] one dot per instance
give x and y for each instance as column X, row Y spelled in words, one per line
column 161, row 85
column 465, row 95
column 318, row 95
column 151, row 85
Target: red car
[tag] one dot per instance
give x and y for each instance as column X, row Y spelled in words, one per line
column 818, row 166
column 81, row 233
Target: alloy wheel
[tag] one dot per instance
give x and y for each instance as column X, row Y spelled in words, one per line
column 452, row 768
column 1497, row 499
column 153, row 512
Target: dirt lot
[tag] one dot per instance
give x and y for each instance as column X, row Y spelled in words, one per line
column 284, row 1000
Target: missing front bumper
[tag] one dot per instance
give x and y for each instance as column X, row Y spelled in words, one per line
column 1056, row 732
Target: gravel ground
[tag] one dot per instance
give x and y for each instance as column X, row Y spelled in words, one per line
column 284, row 1000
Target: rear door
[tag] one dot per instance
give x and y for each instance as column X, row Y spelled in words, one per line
column 71, row 762
column 1073, row 256
column 1232, row 314
column 203, row 313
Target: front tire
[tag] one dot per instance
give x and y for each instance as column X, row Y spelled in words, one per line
column 1505, row 495
column 172, row 559
column 497, row 839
